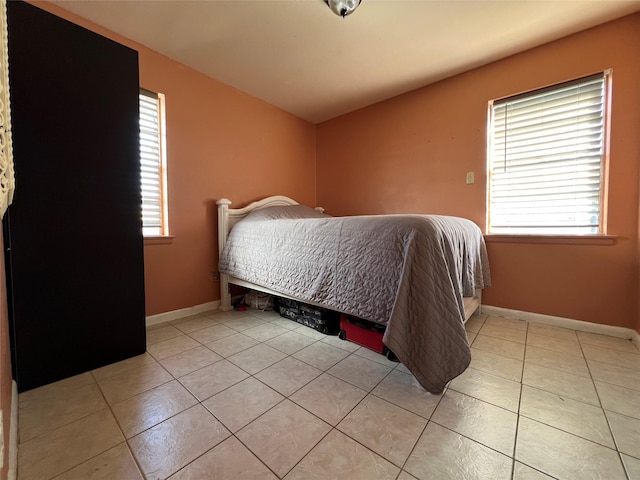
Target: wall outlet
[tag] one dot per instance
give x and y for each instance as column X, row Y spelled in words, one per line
column 215, row 276
column 471, row 178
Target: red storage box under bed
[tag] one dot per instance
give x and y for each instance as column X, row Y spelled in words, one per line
column 365, row 333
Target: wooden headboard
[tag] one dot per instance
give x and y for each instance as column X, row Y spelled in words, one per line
column 227, row 218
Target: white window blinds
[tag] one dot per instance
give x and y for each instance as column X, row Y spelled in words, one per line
column 151, row 164
column 546, row 156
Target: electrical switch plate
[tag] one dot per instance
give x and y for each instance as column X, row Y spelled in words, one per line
column 470, row 178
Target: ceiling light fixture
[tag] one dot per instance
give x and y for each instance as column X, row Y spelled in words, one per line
column 343, row 7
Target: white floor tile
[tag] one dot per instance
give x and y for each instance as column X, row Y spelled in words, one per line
column 563, row 455
column 499, row 346
column 584, row 420
column 632, row 465
column 230, row 460
column 283, row 436
column 288, row 375
column 403, row 390
column 609, row 373
column 608, row 355
column 359, row 371
column 293, row 403
column 619, row 399
column 561, row 383
column 242, row 403
column 614, row 343
column 551, row 331
column 561, row 361
column 489, row 388
column 524, row 472
column 495, row 364
column 174, row 443
column 338, row 456
column 388, row 430
column 557, row 344
column 506, row 322
column 626, row 432
column 487, row 424
column 445, row 455
column 329, row 398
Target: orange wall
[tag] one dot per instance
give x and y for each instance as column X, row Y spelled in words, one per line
column 221, row 143
column 411, row 153
column 407, row 154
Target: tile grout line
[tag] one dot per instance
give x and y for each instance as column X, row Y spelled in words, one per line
column 115, row 418
column 367, row 393
column 515, row 438
column 520, row 403
column 158, row 361
column 287, row 397
column 600, row 407
column 201, row 402
column 404, row 464
column 606, row 417
column 553, row 393
column 518, row 414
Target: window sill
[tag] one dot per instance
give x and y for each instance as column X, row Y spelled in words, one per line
column 159, row 240
column 553, row 239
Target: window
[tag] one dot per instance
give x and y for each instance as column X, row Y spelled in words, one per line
column 546, row 159
column 153, row 164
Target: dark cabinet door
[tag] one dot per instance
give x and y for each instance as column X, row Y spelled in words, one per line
column 73, row 233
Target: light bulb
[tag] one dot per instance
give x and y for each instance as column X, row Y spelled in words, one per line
column 343, row 7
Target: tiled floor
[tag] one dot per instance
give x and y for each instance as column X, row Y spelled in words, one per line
column 249, row 395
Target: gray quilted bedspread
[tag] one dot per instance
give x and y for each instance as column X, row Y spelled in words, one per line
column 409, row 272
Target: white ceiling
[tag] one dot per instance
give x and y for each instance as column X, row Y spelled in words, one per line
column 302, row 58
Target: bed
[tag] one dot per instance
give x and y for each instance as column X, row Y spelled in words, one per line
column 419, row 275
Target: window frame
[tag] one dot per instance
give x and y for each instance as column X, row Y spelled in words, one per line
column 562, row 236
column 162, row 170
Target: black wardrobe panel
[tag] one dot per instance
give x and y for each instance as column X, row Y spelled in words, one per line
column 73, row 232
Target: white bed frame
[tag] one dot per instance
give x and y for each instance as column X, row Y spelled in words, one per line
column 227, row 218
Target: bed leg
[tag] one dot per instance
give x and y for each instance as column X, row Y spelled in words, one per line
column 225, row 296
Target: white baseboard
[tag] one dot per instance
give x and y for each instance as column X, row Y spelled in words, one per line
column 612, row 331
column 183, row 312
column 12, row 472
